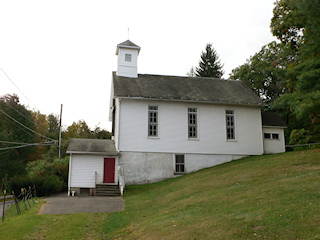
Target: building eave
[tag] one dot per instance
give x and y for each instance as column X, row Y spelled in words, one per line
column 265, row 126
column 194, row 101
column 94, row 153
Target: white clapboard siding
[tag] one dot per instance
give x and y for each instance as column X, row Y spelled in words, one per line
column 274, row 145
column 83, row 170
column 173, row 128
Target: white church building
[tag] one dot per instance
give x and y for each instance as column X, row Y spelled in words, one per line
column 166, row 126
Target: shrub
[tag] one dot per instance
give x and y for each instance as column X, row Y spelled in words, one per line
column 299, row 136
column 61, row 166
column 45, row 184
column 58, row 167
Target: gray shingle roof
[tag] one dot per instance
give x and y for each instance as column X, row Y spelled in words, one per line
column 272, row 120
column 184, row 89
column 127, row 44
column 92, row 146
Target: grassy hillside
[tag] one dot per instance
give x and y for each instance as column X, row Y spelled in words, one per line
column 270, row 197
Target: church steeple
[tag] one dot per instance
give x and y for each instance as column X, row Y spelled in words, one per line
column 127, row 53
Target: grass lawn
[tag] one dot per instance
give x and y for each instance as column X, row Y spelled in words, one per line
column 270, row 197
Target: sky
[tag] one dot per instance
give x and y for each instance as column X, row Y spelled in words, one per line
column 63, row 51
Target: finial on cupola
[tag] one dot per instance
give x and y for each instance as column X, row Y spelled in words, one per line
column 127, row 53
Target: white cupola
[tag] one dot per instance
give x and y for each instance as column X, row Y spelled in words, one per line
column 127, row 53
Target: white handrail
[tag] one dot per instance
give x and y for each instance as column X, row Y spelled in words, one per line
column 121, row 179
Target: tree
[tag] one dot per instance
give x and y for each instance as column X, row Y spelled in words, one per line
column 288, row 23
column 192, row 72
column 302, row 25
column 265, row 72
column 101, row 133
column 12, row 115
column 209, row 64
column 78, row 130
column 287, row 75
column 53, row 126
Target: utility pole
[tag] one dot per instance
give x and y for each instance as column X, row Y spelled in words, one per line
column 60, row 132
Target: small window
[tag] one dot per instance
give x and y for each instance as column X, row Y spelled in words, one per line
column 271, row 136
column 267, row 135
column 153, row 121
column 128, row 57
column 230, row 122
column 179, row 164
column 192, row 123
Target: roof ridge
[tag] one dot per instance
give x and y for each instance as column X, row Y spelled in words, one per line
column 178, row 76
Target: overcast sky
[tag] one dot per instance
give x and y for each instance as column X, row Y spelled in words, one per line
column 63, row 52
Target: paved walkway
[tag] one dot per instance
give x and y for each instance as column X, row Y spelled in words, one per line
column 63, row 204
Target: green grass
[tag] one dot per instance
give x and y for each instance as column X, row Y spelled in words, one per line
column 31, row 225
column 269, row 197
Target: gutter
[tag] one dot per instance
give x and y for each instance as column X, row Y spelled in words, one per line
column 266, row 126
column 194, row 100
column 94, row 153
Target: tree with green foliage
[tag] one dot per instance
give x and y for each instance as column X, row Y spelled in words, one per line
column 209, row 64
column 78, row 129
column 288, row 23
column 287, row 74
column 12, row 134
column 298, row 23
column 265, row 72
column 53, row 126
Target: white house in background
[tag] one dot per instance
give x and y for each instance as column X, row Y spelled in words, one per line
column 165, row 126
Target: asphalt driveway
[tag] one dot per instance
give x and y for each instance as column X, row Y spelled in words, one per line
column 63, row 204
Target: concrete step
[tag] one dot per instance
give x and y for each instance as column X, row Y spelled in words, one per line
column 107, row 190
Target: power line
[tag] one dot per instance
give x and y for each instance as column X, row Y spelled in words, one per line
column 20, row 113
column 18, row 89
column 24, row 130
column 6, row 142
column 26, row 126
column 11, row 142
column 28, row 145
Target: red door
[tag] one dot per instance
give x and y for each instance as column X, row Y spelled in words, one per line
column 109, row 167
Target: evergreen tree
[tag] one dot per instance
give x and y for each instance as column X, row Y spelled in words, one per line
column 209, row 64
column 192, row 72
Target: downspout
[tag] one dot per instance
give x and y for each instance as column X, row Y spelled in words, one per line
column 69, row 177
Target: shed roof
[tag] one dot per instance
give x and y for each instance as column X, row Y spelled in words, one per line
column 197, row 89
column 272, row 120
column 92, row 146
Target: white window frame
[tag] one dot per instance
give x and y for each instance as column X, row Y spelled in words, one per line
column 267, row 135
column 181, row 165
column 193, row 132
column 153, row 121
column 230, row 113
column 271, row 136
